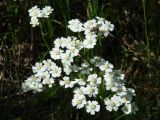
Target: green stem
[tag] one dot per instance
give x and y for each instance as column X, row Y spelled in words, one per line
column 100, row 46
column 50, row 30
column 80, row 36
column 92, row 8
column 59, row 23
column 45, row 42
column 120, row 117
column 146, row 31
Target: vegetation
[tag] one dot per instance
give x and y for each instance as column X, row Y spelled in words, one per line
column 133, row 47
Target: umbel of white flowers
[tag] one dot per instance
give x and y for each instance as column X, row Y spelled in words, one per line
column 36, row 13
column 91, row 80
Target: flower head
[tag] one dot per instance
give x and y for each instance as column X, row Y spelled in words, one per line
column 75, row 25
column 46, row 11
column 92, row 107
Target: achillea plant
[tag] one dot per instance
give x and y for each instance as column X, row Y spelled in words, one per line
column 74, row 65
column 35, row 13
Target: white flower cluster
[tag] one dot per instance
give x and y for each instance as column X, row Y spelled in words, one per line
column 92, row 29
column 105, row 80
column 91, row 79
column 36, row 13
column 45, row 73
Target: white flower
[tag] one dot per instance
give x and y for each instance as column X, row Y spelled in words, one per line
column 65, row 42
column 91, row 91
column 78, row 44
column 46, row 11
column 114, row 87
column 35, row 86
column 106, row 34
column 79, row 102
column 127, row 95
column 127, row 109
column 33, row 78
column 55, row 53
column 105, row 26
column 68, row 42
column 121, row 76
column 85, row 65
column 24, row 87
column 110, row 105
column 38, row 67
column 94, row 79
column 89, row 43
column 79, row 91
column 122, row 91
column 126, row 98
column 88, row 77
column 90, row 36
column 67, row 69
column 92, row 107
column 113, row 103
column 35, row 12
column 131, row 92
column 73, row 51
column 67, row 83
column 75, row 25
column 108, row 77
column 42, row 75
column 56, row 71
column 100, row 20
column 48, row 64
column 34, row 21
column 113, row 82
column 116, row 99
column 66, row 58
column 110, row 26
column 89, row 25
column 29, row 84
column 48, row 81
column 107, row 67
column 58, row 42
column 80, row 82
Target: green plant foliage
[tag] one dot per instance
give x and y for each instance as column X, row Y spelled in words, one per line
column 133, row 47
